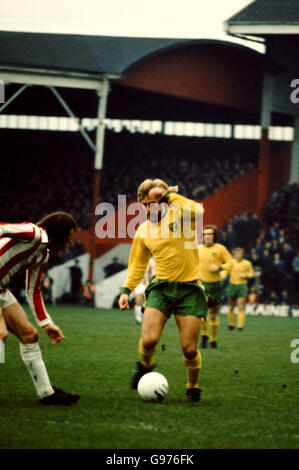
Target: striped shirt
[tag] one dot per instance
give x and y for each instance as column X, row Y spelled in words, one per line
column 24, row 247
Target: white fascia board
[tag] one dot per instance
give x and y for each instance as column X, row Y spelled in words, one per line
column 52, row 78
column 262, row 29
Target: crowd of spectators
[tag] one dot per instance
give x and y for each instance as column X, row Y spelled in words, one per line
column 198, row 166
column 46, row 171
column 271, row 245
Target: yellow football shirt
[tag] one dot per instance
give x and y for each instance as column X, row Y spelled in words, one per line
column 172, row 242
column 239, row 268
column 215, row 254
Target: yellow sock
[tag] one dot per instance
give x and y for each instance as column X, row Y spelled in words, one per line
column 204, row 326
column 146, row 356
column 193, row 368
column 213, row 326
column 231, row 318
column 241, row 318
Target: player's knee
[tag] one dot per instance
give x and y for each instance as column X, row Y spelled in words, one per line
column 189, row 351
column 3, row 335
column 213, row 315
column 29, row 335
column 149, row 343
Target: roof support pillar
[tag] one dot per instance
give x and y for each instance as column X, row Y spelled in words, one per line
column 72, row 115
column 98, row 165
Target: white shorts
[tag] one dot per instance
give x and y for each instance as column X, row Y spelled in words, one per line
column 140, row 289
column 7, row 299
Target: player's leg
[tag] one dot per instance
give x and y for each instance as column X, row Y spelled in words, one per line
column 137, row 308
column 3, row 336
column 231, row 313
column 189, row 328
column 204, row 323
column 18, row 323
column 204, row 332
column 241, row 312
column 214, row 292
column 213, row 324
column 152, row 326
column 190, row 307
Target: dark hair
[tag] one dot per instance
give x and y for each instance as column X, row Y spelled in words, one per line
column 212, row 227
column 58, row 226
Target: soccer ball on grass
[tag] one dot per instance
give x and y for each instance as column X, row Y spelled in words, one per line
column 153, row 386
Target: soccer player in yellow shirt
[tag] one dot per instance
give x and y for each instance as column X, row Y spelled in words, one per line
column 237, row 288
column 176, row 287
column 213, row 258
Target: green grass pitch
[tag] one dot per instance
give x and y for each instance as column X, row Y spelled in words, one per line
column 250, row 388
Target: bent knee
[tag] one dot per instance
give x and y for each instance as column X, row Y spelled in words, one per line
column 189, row 351
column 29, row 335
column 3, row 335
column 149, row 343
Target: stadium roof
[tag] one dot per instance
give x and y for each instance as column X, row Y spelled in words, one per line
column 71, row 62
column 78, row 56
column 264, row 17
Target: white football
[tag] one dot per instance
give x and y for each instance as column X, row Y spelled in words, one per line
column 153, row 386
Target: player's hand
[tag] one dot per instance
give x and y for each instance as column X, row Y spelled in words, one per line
column 214, row 268
column 243, row 276
column 54, row 333
column 124, row 302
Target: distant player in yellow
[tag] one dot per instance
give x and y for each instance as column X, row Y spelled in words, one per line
column 175, row 288
column 213, row 258
column 237, row 288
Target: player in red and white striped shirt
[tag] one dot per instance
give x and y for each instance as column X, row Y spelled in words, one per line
column 26, row 246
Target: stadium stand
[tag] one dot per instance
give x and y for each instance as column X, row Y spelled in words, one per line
column 271, row 245
column 59, row 168
column 199, row 166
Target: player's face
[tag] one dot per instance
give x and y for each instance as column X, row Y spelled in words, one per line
column 208, row 237
column 153, row 209
column 238, row 254
column 70, row 240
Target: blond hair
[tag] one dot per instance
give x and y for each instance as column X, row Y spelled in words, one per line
column 145, row 187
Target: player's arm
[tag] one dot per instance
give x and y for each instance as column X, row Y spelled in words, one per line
column 227, row 262
column 138, row 260
column 188, row 206
column 171, row 196
column 223, row 275
column 250, row 271
column 36, row 303
column 25, row 231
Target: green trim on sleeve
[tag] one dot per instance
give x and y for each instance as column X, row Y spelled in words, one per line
column 164, row 198
column 125, row 290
